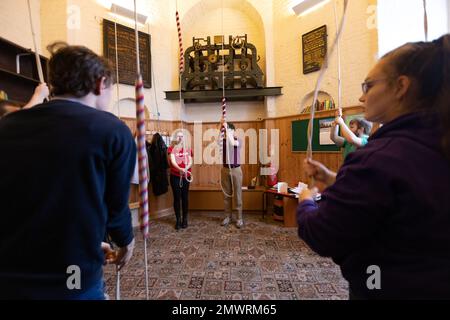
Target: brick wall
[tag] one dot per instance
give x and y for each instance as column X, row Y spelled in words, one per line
column 89, row 33
column 271, row 26
column 358, row 51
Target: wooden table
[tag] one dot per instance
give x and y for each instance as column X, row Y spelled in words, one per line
column 290, row 202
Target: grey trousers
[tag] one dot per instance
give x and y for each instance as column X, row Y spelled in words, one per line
column 234, row 189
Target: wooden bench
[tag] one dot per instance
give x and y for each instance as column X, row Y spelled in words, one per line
column 210, row 198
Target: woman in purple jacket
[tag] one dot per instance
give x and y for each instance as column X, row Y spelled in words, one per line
column 385, row 216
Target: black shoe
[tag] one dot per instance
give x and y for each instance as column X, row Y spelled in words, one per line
column 184, row 225
column 177, row 225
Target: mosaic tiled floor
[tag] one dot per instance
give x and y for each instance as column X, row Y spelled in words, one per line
column 262, row 261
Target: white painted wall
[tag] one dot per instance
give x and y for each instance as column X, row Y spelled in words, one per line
column 199, row 18
column 401, row 21
column 56, row 25
column 358, row 52
column 448, row 15
column 89, row 33
column 236, row 111
column 271, row 25
column 15, row 25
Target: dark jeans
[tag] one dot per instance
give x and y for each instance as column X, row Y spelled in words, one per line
column 180, row 196
column 353, row 296
column 60, row 292
column 96, row 292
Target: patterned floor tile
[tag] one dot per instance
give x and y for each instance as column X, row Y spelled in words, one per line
column 190, row 295
column 251, row 263
column 303, row 276
column 194, row 263
column 164, row 283
column 151, row 282
column 233, row 286
column 269, row 266
column 306, row 291
column 256, row 252
column 253, row 287
column 245, row 274
column 196, row 283
column 288, row 296
column 213, row 287
column 218, row 275
column 169, row 294
column 325, row 288
column 237, row 296
column 206, row 261
column 264, row 296
column 285, row 286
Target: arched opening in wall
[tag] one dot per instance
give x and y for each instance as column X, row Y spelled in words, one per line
column 204, row 18
column 239, row 18
column 307, row 101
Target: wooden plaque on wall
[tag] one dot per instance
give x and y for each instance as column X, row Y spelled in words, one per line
column 126, row 48
column 314, row 49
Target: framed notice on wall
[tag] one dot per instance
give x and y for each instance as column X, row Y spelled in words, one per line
column 314, row 46
column 320, row 138
column 325, row 127
column 126, row 49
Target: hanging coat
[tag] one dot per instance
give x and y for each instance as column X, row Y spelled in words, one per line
column 158, row 165
column 135, row 177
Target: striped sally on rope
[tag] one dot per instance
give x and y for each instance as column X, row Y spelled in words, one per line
column 223, row 129
column 142, row 159
column 224, row 118
column 180, row 43
column 188, row 177
column 425, row 19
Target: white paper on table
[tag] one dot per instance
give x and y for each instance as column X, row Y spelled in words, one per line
column 301, row 186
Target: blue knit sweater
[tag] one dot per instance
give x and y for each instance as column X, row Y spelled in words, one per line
column 65, row 180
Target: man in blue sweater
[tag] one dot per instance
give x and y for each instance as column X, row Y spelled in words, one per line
column 65, row 182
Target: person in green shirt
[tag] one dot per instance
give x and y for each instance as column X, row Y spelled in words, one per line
column 353, row 137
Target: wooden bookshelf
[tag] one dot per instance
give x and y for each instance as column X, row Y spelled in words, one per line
column 18, row 71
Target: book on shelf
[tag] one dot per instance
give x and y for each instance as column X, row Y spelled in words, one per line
column 3, row 95
column 325, row 105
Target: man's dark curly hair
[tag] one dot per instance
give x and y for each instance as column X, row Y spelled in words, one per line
column 75, row 70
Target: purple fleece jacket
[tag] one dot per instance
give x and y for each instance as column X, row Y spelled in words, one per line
column 389, row 207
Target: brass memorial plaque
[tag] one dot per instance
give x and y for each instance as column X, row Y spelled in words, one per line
column 314, row 49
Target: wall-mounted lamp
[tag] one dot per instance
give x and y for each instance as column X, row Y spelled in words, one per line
column 307, row 6
column 127, row 13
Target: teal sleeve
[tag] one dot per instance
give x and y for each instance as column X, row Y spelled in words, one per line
column 364, row 140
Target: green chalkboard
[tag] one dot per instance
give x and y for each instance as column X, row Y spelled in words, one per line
column 300, row 136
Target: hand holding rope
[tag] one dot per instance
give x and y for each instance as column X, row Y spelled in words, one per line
column 321, row 77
